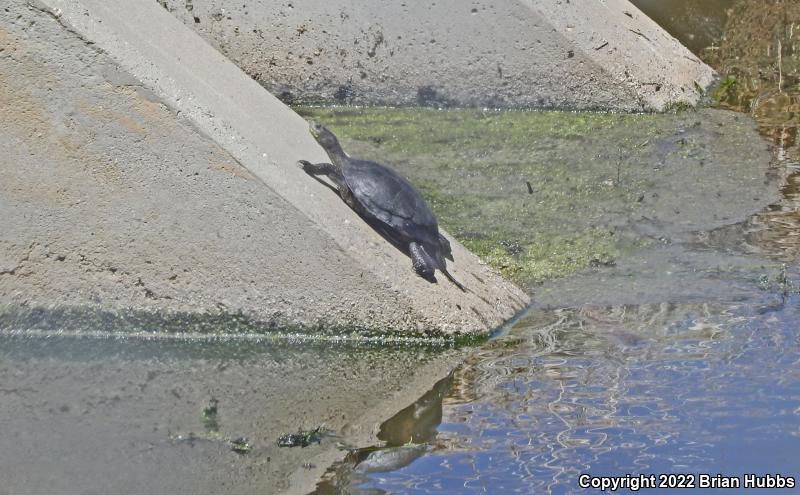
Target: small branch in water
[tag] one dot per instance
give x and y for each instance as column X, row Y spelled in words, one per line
column 530, row 188
column 780, row 68
column 619, row 166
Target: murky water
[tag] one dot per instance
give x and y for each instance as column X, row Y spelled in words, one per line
column 699, row 24
column 700, row 376
column 131, row 415
column 755, row 46
column 611, row 391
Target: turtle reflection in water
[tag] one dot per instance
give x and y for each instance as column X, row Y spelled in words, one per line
column 388, row 202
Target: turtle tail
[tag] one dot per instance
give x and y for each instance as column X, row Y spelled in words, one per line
column 441, row 254
column 450, row 277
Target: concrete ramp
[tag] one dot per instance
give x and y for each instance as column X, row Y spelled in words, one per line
column 144, row 171
column 577, row 54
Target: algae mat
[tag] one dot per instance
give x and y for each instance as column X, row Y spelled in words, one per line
column 540, row 195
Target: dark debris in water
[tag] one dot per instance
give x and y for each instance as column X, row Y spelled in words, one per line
column 602, row 259
column 303, row 438
column 210, row 418
column 210, row 415
column 240, row 445
column 780, row 283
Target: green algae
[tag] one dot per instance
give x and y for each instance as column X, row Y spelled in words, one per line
column 541, row 195
column 474, row 168
column 546, row 258
column 80, row 322
column 303, row 438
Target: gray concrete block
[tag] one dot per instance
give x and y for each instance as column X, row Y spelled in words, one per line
column 579, row 54
column 144, row 171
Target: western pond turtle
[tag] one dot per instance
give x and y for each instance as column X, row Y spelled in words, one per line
column 388, row 202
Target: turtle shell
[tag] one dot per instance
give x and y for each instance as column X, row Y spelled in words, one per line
column 389, row 197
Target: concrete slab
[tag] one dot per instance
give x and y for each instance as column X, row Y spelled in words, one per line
column 145, row 172
column 579, row 54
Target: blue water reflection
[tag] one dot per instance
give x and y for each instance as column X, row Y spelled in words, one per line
column 615, row 391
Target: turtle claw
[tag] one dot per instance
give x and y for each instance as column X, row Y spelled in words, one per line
column 427, row 275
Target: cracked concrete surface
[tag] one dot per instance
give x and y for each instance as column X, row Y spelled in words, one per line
column 118, row 198
column 579, row 54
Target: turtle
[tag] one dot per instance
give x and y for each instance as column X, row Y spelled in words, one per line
column 388, row 202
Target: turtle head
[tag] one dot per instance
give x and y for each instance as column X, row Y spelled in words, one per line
column 323, row 136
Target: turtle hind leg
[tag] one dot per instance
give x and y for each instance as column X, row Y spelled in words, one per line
column 425, row 266
column 447, row 252
column 423, row 263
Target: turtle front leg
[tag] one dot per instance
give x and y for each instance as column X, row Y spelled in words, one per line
column 327, row 169
column 331, row 171
column 423, row 263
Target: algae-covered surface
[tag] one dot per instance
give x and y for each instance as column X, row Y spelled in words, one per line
column 90, row 321
column 540, row 195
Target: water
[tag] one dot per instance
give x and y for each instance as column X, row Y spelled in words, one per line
column 697, row 24
column 129, row 415
column 611, row 391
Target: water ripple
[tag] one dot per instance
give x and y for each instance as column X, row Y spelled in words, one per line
column 616, row 390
